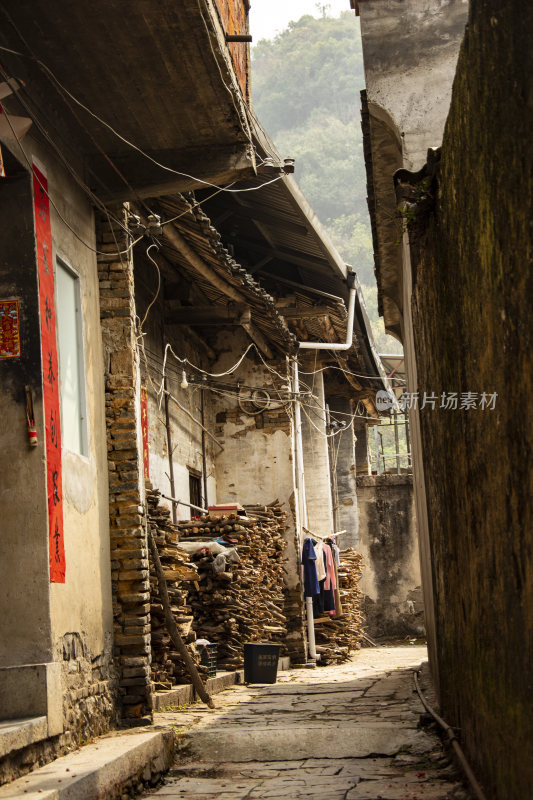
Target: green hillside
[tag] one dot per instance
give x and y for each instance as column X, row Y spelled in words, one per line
column 306, row 85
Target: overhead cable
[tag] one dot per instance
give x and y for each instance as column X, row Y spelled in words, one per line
column 62, row 218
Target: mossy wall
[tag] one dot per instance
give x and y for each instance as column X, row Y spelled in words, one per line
column 473, row 326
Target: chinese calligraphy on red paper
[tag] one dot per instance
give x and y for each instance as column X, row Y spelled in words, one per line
column 54, row 483
column 9, row 329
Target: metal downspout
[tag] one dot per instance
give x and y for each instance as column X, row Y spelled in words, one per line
column 351, row 278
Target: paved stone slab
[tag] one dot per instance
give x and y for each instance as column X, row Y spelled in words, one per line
column 342, row 733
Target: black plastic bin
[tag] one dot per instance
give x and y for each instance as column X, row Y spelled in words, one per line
column 261, row 662
column 208, row 658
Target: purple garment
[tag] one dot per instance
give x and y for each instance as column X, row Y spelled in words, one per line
column 311, row 587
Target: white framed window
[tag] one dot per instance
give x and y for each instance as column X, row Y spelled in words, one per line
column 71, row 360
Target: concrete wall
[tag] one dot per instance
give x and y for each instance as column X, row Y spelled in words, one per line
column 25, row 625
column 316, row 453
column 391, row 581
column 70, row 623
column 472, row 320
column 410, row 51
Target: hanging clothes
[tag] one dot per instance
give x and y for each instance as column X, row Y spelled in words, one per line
column 325, row 601
column 311, row 585
column 330, row 583
column 336, row 552
column 320, row 565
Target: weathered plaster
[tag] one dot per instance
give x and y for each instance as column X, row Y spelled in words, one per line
column 391, row 580
column 473, row 327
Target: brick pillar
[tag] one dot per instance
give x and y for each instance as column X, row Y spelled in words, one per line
column 362, row 461
column 129, row 551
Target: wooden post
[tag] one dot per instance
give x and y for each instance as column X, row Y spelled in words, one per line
column 172, row 628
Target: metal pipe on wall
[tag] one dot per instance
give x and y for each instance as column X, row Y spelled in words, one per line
column 351, row 278
column 349, row 325
column 302, row 515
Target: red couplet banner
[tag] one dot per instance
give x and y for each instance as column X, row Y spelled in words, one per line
column 45, row 269
column 144, row 429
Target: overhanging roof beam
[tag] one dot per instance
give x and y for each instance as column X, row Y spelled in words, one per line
column 182, row 246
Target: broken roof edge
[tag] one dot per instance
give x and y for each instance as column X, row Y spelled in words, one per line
column 241, row 277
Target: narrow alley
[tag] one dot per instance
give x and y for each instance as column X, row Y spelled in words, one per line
column 350, row 732
column 265, row 390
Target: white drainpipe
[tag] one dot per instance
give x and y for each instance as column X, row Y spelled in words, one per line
column 299, row 445
column 349, row 325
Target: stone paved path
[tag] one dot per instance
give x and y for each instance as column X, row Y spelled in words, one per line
column 341, row 733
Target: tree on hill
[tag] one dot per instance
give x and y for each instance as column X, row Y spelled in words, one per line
column 306, row 85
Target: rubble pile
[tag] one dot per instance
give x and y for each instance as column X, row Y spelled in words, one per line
column 337, row 636
column 238, row 596
column 167, row 666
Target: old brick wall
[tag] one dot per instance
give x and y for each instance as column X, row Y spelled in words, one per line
column 234, row 17
column 472, row 313
column 129, row 552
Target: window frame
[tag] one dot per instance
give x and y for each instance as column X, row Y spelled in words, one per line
column 62, row 263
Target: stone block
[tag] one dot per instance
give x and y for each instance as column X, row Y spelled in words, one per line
column 33, row 690
column 127, row 640
column 134, row 574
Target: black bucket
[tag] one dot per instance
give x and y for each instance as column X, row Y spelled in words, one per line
column 261, row 662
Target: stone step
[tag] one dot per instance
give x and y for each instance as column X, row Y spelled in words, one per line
column 263, row 742
column 184, row 694
column 18, row 733
column 98, row 771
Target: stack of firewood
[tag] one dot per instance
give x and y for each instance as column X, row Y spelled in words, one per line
column 237, row 601
column 338, row 636
column 167, row 665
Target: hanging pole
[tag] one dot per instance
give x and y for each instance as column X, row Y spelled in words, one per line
column 170, row 460
column 376, row 444
column 407, row 441
column 397, row 443
column 204, row 458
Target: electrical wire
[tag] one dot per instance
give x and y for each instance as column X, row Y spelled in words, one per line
column 60, row 215
column 192, row 207
column 321, row 432
column 156, row 295
column 58, row 151
column 347, row 372
column 168, row 347
column 314, row 408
